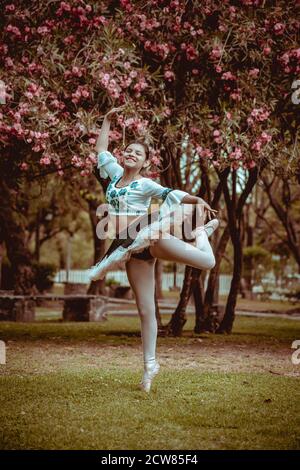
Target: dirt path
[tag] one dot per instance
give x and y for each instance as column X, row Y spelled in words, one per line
column 41, row 357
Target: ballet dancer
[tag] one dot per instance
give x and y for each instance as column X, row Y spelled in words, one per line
column 129, row 196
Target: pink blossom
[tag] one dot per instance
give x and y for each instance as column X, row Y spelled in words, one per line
column 9, row 63
column 45, row 161
column 279, row 28
column 266, row 50
column 33, row 89
column 265, row 137
column 259, row 114
column 3, row 49
column 155, row 160
column 216, row 53
column 10, row 7
column 205, row 153
column 191, row 53
column 91, row 158
column 76, row 71
column 99, row 21
column 223, row 28
column 43, row 30
column 236, row 95
column 256, row 146
column 126, row 4
column 236, row 154
column 63, row 7
column 253, row 73
column 80, row 93
column 77, row 161
column 133, row 74
column 115, row 135
column 14, row 30
column 69, row 39
column 167, row 112
column 169, row 75
column 290, row 61
column 228, row 76
column 24, row 166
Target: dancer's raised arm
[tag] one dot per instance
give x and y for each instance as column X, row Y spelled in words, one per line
column 102, row 141
column 107, row 164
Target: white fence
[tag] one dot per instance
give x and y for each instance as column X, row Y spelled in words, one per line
column 80, row 277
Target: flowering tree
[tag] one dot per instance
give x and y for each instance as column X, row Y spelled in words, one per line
column 55, row 81
column 229, row 69
column 216, row 74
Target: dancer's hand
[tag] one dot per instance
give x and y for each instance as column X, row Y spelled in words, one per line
column 207, row 209
column 112, row 114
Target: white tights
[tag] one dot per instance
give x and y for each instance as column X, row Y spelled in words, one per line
column 141, row 276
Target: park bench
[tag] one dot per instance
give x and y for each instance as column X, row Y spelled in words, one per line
column 77, row 307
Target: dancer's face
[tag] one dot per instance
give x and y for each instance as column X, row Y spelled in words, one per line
column 135, row 156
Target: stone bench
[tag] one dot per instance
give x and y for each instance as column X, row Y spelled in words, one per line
column 82, row 307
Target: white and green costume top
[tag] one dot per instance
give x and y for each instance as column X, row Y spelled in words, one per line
column 135, row 198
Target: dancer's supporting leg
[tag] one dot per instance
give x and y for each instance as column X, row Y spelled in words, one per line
column 141, row 277
column 171, row 248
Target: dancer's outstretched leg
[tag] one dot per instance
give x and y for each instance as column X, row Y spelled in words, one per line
column 141, row 277
column 172, row 248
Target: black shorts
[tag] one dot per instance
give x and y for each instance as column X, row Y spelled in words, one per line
column 145, row 255
column 126, row 240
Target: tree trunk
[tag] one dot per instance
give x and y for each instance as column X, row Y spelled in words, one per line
column 235, row 210
column 96, row 287
column 227, row 322
column 1, row 259
column 198, row 293
column 211, row 295
column 37, row 237
column 13, row 229
column 281, row 204
column 247, row 238
column 178, row 318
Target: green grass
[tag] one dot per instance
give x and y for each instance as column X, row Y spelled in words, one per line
column 117, row 329
column 74, row 386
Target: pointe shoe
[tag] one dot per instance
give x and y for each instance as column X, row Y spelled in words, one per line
column 209, row 228
column 93, row 272
column 149, row 374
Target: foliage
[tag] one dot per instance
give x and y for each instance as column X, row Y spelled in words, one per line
column 112, row 282
column 44, row 275
column 257, row 260
column 220, row 72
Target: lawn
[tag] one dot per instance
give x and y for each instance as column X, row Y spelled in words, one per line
column 74, row 386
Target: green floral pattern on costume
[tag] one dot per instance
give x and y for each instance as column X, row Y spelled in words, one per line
column 165, row 193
